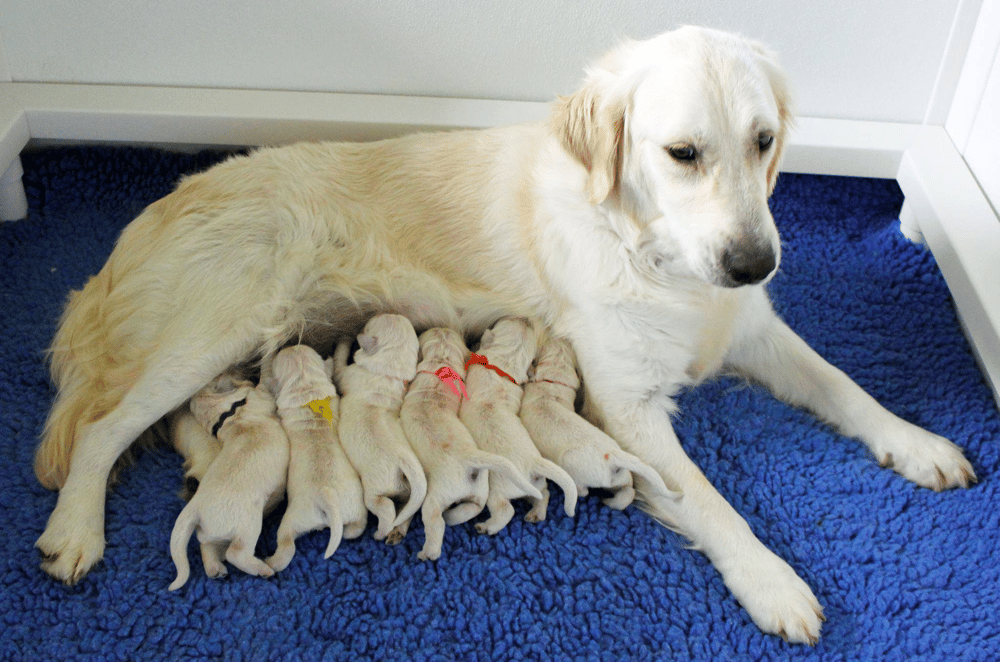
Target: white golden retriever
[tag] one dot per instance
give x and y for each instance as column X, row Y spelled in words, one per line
column 634, row 223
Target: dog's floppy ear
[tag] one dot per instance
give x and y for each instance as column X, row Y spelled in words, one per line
column 590, row 125
column 779, row 87
column 368, row 343
column 487, row 338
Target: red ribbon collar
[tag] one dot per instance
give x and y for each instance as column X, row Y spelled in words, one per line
column 483, row 361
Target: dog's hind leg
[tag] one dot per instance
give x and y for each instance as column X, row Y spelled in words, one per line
column 385, row 510
column 211, row 558
column 240, row 554
column 501, row 513
column 434, row 527
column 73, row 540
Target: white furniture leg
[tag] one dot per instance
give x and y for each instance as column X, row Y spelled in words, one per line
column 13, row 201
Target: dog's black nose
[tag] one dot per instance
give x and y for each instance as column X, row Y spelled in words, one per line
column 748, row 265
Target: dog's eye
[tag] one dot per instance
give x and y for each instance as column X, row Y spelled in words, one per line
column 683, row 153
column 764, row 142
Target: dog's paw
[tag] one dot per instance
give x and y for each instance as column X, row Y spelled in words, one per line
column 925, row 458
column 777, row 600
column 429, row 555
column 70, row 547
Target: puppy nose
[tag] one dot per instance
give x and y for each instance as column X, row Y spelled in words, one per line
column 748, row 265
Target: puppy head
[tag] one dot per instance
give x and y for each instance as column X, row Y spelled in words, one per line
column 682, row 135
column 299, row 369
column 218, row 397
column 389, row 347
column 440, row 346
column 556, row 361
column 510, row 345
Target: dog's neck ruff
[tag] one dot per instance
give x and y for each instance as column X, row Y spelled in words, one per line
column 485, row 362
column 226, row 415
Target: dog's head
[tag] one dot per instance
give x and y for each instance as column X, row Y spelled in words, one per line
column 389, row 346
column 441, row 345
column 682, row 136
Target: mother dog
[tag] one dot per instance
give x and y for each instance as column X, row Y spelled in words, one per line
column 635, row 223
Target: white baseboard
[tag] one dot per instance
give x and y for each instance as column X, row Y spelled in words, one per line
column 942, row 197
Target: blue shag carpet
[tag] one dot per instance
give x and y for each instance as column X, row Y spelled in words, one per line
column 903, row 573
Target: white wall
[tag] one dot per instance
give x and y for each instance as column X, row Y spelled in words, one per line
column 851, row 59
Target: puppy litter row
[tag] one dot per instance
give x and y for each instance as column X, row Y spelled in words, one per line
column 449, row 436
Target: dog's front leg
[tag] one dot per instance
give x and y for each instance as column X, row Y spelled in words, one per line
column 778, row 601
column 772, row 354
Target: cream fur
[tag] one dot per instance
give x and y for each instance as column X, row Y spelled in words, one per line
column 458, row 473
column 244, row 480
column 372, row 391
column 587, row 224
column 323, row 488
column 490, row 414
column 589, row 456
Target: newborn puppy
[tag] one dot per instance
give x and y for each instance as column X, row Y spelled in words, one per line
column 493, row 381
column 457, row 480
column 323, row 488
column 196, row 445
column 372, row 391
column 591, row 457
column 246, row 478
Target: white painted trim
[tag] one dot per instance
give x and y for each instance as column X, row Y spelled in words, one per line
column 963, row 232
column 979, row 62
column 955, row 51
column 942, row 197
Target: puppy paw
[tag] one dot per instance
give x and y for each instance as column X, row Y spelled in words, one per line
column 429, row 555
column 777, row 600
column 70, row 546
column 925, row 458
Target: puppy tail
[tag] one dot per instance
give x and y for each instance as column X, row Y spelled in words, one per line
column 650, row 482
column 418, row 490
column 184, row 527
column 334, row 519
column 557, row 475
column 340, row 356
column 503, row 467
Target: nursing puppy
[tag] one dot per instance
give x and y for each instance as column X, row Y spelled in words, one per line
column 323, row 488
column 372, row 391
column 458, row 473
column 592, row 458
column 196, row 445
column 246, row 478
column 490, row 414
column 634, row 222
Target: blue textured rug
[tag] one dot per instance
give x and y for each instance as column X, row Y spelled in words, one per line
column 902, row 573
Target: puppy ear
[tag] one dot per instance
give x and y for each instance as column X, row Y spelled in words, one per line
column 590, row 127
column 368, row 343
column 487, row 338
column 782, row 98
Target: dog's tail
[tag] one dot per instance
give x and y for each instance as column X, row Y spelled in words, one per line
column 651, row 483
column 99, row 348
column 341, row 355
column 184, row 528
column 414, row 473
column 555, row 473
column 503, row 467
column 331, row 506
